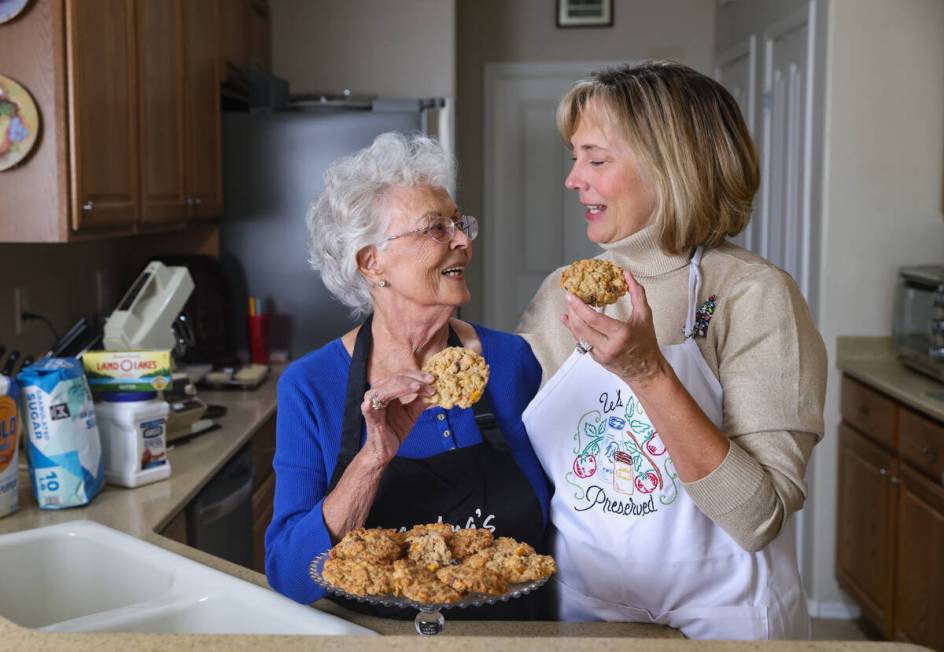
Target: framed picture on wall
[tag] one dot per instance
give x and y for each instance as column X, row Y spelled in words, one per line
column 584, row 13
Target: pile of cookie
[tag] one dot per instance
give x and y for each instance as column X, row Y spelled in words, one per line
column 432, row 564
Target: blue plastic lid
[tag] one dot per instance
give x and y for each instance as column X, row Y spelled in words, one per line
column 127, row 397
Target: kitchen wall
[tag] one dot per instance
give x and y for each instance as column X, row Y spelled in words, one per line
column 525, row 30
column 61, row 279
column 882, row 198
column 404, row 48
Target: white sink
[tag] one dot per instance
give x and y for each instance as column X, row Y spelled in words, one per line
column 83, row 577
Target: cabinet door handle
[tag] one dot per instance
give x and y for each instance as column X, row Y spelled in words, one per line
column 197, row 201
column 895, row 480
column 930, row 455
column 883, row 471
column 190, row 201
column 88, row 207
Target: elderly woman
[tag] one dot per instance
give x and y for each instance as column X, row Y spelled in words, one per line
column 356, row 444
column 677, row 432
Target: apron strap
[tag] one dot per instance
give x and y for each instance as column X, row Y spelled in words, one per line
column 694, row 286
column 356, row 387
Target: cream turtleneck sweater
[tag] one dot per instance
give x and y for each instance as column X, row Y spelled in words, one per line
column 763, row 348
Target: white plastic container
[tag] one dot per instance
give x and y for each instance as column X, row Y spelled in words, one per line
column 133, row 428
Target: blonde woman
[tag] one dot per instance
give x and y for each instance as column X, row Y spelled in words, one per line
column 676, row 424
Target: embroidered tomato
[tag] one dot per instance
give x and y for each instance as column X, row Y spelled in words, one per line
column 647, row 482
column 585, row 466
column 655, row 446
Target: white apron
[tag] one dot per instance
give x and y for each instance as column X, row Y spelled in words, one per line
column 630, row 544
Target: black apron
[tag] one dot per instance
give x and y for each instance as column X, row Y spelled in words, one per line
column 457, row 484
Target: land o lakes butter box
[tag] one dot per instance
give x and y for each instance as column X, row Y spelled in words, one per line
column 127, row 371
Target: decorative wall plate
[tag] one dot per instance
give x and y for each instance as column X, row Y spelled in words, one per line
column 10, row 8
column 19, row 123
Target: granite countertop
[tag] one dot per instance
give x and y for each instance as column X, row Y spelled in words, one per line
column 144, row 511
column 872, row 360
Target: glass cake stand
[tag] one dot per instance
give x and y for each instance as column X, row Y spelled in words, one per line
column 429, row 621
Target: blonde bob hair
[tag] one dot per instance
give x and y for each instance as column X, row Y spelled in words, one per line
column 690, row 141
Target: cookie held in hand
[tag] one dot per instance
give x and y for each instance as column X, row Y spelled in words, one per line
column 594, row 281
column 460, row 377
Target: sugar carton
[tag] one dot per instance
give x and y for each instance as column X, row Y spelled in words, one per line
column 63, row 445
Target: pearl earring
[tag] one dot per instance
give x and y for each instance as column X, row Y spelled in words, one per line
column 382, row 283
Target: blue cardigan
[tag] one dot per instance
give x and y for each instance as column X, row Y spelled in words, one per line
column 308, row 438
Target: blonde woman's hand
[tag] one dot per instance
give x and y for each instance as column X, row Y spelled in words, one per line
column 628, row 348
column 390, row 408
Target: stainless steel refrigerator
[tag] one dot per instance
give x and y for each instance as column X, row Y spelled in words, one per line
column 273, row 165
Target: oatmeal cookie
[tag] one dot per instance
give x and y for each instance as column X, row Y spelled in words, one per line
column 442, row 529
column 460, row 377
column 375, row 545
column 512, row 547
column 472, row 577
column 359, row 576
column 429, row 550
column 594, row 281
column 417, row 583
column 465, row 542
column 514, row 561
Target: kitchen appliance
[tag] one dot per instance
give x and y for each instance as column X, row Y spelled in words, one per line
column 147, row 317
column 273, row 164
column 918, row 326
column 151, row 316
column 210, row 311
column 219, row 519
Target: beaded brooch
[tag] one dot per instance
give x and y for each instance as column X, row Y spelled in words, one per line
column 703, row 317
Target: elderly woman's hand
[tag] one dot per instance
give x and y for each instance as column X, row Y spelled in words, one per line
column 628, row 349
column 390, row 408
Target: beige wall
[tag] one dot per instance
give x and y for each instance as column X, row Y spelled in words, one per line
column 525, row 30
column 882, row 196
column 394, row 48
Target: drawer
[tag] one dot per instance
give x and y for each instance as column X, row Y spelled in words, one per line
column 921, row 443
column 869, row 412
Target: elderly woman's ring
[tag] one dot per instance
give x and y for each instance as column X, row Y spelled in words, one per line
column 583, row 347
column 375, row 401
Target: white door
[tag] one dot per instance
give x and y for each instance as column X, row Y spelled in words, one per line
column 784, row 210
column 532, row 224
column 736, row 71
column 780, row 46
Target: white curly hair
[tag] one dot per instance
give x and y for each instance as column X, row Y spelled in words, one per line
column 349, row 215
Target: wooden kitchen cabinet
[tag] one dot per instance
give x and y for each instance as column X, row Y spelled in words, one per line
column 102, row 73
column 864, row 537
column 263, row 495
column 201, row 21
column 890, row 517
column 128, row 93
column 919, row 594
column 262, row 507
column 161, row 63
column 245, row 37
column 180, row 114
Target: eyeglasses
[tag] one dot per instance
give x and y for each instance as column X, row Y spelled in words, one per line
column 442, row 229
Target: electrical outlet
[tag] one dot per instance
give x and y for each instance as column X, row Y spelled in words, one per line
column 20, row 303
